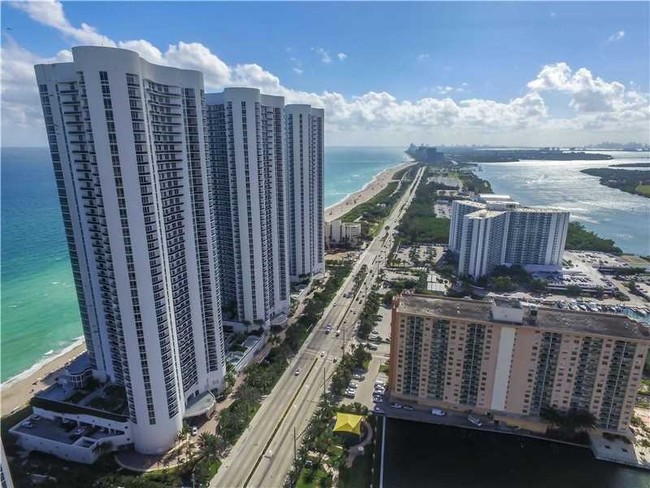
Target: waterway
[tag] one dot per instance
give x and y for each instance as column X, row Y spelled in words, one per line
column 430, row 456
column 611, row 213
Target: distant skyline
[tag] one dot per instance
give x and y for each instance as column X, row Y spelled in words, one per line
column 387, row 74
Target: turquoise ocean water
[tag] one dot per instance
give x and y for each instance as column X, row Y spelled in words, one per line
column 39, row 309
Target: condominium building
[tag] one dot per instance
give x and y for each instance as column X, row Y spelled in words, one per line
column 482, row 243
column 129, row 153
column 513, row 361
column 5, row 474
column 246, row 154
column 460, row 208
column 535, row 236
column 513, row 234
column 305, row 151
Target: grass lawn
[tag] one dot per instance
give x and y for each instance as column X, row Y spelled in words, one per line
column 358, row 476
column 311, row 478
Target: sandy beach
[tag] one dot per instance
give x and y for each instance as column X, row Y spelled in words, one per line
column 17, row 393
column 378, row 183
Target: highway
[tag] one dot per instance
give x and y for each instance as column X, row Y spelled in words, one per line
column 263, row 455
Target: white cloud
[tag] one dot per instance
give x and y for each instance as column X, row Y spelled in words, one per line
column 616, row 36
column 599, row 107
column 298, row 71
column 324, row 55
column 342, row 56
column 50, row 13
column 422, row 57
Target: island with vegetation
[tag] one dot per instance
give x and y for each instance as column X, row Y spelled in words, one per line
column 636, row 182
column 472, row 155
column 580, row 239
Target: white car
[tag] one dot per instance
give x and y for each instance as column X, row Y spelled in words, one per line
column 408, row 407
column 322, row 354
column 195, row 430
column 475, row 420
column 378, row 409
column 396, row 405
column 296, row 372
column 438, row 412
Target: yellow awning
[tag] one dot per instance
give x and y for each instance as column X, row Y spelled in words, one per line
column 348, row 422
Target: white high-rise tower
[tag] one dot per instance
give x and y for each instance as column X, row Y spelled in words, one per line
column 305, row 151
column 246, row 144
column 129, row 154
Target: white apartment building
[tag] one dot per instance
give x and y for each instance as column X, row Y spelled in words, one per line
column 246, row 153
column 337, row 231
column 305, row 152
column 460, row 208
column 498, row 231
column 129, row 153
column 535, row 236
column 482, row 243
column 5, row 474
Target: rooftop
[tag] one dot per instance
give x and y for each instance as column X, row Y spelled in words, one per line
column 547, row 318
column 484, row 214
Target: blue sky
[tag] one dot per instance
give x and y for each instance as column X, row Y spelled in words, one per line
column 542, row 73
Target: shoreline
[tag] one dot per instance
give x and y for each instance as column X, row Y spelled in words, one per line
column 369, row 190
column 16, row 391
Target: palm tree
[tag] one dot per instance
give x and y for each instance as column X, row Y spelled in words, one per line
column 208, row 445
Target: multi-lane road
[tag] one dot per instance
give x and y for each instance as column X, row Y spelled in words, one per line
column 263, row 455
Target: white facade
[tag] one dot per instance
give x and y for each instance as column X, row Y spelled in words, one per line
column 5, row 474
column 129, row 155
column 523, row 236
column 460, row 208
column 482, row 243
column 246, row 144
column 305, row 152
column 338, row 231
column 535, row 236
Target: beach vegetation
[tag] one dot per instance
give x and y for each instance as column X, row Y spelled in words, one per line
column 580, row 239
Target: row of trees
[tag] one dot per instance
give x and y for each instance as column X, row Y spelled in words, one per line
column 357, row 360
column 368, row 316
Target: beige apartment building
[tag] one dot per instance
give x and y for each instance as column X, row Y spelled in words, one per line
column 512, row 360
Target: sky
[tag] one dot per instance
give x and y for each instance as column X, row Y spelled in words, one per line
column 386, row 73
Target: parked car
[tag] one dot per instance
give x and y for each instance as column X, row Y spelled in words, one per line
column 349, row 393
column 438, row 412
column 378, row 409
column 296, row 372
column 396, row 405
column 357, row 376
column 322, row 354
column 475, row 420
column 36, row 417
column 79, row 431
column 195, row 430
column 408, row 407
column 353, row 385
column 27, row 424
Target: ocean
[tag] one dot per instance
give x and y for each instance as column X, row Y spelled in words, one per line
column 40, row 316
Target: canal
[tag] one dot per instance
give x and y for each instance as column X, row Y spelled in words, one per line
column 432, row 456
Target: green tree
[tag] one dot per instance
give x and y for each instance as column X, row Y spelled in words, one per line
column 573, row 290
